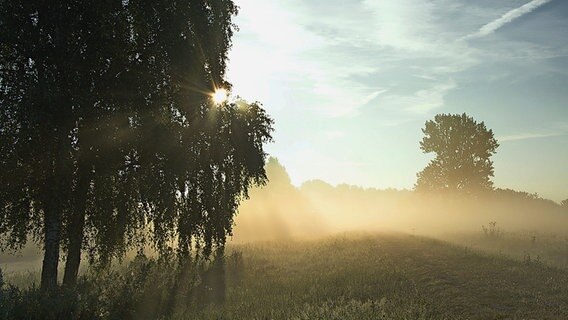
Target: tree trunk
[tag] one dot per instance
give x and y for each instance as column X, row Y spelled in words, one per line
column 218, row 285
column 76, row 229
column 53, row 206
column 52, row 234
column 181, row 278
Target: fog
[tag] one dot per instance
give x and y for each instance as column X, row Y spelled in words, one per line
column 280, row 210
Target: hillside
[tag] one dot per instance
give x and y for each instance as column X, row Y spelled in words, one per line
column 393, row 276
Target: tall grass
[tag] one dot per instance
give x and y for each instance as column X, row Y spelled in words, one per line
column 144, row 288
column 349, row 276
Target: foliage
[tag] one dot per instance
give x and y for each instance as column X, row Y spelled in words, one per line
column 463, row 148
column 522, row 197
column 144, row 288
column 107, row 129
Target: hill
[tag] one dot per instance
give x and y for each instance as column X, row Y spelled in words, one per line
column 393, row 276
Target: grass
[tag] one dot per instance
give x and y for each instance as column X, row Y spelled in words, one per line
column 349, row 276
column 547, row 248
column 385, row 276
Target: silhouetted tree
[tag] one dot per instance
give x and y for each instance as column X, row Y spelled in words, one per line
column 463, row 148
column 38, row 121
column 564, row 204
column 107, row 129
column 177, row 58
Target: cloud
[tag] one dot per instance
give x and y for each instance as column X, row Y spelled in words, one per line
column 420, row 102
column 433, row 98
column 509, row 16
column 281, row 58
column 372, row 96
column 554, row 129
column 526, row 136
column 390, row 25
column 322, row 48
column 331, row 72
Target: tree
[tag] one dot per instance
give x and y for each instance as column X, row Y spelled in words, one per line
column 175, row 59
column 564, row 204
column 36, row 125
column 463, row 148
column 107, row 129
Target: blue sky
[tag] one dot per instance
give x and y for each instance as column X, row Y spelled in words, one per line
column 351, row 83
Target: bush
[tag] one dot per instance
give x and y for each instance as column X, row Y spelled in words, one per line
column 141, row 289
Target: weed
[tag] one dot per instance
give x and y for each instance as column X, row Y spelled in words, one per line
column 491, row 231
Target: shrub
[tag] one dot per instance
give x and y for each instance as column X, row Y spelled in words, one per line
column 141, row 289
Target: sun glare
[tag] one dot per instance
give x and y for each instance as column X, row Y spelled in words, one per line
column 220, row 96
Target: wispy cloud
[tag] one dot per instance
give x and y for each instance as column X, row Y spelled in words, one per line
column 526, row 136
column 372, row 96
column 506, row 18
column 420, row 102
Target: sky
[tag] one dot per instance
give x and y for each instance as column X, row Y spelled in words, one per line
column 350, row 84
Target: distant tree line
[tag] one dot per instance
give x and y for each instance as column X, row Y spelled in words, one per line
column 109, row 139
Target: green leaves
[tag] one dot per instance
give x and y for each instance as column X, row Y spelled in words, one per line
column 463, row 148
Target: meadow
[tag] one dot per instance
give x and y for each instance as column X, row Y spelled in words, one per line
column 386, row 276
column 347, row 276
column 489, row 274
column 528, row 246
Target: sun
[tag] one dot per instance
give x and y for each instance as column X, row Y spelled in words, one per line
column 219, row 96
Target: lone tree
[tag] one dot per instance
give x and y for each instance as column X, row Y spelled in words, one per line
column 463, row 149
column 108, row 129
column 564, row 204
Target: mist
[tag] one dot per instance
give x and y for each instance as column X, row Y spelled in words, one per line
column 280, row 210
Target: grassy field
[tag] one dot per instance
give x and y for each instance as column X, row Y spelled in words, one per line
column 385, row 277
column 547, row 248
column 356, row 276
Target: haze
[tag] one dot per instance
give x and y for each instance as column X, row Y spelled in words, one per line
column 281, row 211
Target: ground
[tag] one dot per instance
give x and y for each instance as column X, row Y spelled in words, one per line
column 390, row 276
column 357, row 276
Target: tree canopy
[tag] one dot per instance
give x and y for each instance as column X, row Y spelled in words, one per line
column 109, row 138
column 463, row 148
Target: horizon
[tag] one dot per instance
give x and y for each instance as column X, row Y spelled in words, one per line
column 355, row 83
column 301, row 185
